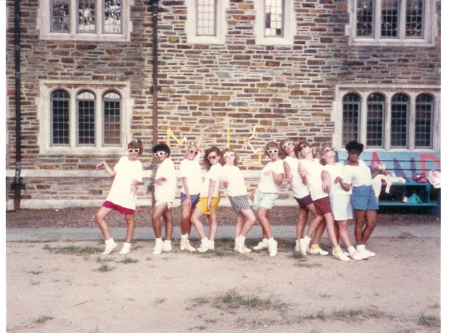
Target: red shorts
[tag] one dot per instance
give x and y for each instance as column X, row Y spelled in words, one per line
column 120, row 209
column 323, row 206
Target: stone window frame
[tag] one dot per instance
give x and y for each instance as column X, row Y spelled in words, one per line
column 221, row 23
column 44, row 24
column 388, row 91
column 99, row 89
column 289, row 25
column 429, row 34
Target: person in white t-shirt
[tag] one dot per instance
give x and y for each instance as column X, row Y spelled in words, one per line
column 312, row 173
column 191, row 178
column 234, row 183
column 266, row 194
column 209, row 200
column 165, row 189
column 302, row 196
column 337, row 182
column 122, row 197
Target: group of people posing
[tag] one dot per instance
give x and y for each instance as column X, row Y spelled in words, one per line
column 331, row 192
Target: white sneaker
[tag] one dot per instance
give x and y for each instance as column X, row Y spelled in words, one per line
column 158, row 246
column 126, row 248
column 239, row 245
column 189, row 247
column 204, row 246
column 183, row 242
column 211, row 245
column 318, row 251
column 355, row 256
column 109, row 246
column 261, row 245
column 340, row 256
column 362, row 254
column 247, row 250
column 297, row 246
column 303, row 246
column 167, row 246
column 369, row 253
column 273, row 247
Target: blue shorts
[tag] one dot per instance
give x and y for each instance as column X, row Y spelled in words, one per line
column 194, row 199
column 363, row 198
column 266, row 200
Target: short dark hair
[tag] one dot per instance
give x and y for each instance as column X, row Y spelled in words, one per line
column 161, row 147
column 354, row 145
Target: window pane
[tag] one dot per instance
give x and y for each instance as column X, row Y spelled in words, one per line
column 273, row 26
column 364, row 18
column 112, row 16
column 399, row 121
column 206, row 17
column 351, row 106
column 60, row 16
column 86, row 118
column 111, row 120
column 86, row 16
column 60, row 118
column 375, row 120
column 414, row 18
column 424, row 121
column 389, row 18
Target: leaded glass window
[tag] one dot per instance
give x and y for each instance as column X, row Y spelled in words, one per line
column 86, row 16
column 364, row 18
column 60, row 16
column 351, row 106
column 273, row 18
column 424, row 121
column 389, row 18
column 112, row 16
column 414, row 19
column 86, row 118
column 60, row 118
column 399, row 121
column 206, row 17
column 111, row 119
column 375, row 120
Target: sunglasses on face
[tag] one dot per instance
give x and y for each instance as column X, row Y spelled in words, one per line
column 303, row 146
column 133, row 150
column 193, row 152
column 272, row 151
column 212, row 157
column 286, row 145
column 354, row 152
column 159, row 153
column 228, row 155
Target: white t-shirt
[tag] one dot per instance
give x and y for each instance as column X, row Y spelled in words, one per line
column 266, row 183
column 314, row 178
column 192, row 170
column 300, row 190
column 335, row 171
column 236, row 181
column 213, row 174
column 126, row 171
column 166, row 192
column 360, row 175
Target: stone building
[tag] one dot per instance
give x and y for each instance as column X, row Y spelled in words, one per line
column 325, row 71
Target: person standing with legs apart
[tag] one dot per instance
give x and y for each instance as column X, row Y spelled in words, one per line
column 303, row 198
column 266, row 194
column 122, row 197
column 209, row 200
column 363, row 199
column 312, row 173
column 234, row 184
column 191, row 177
column 165, row 189
column 339, row 192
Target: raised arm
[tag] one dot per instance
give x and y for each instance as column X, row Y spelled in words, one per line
column 199, row 141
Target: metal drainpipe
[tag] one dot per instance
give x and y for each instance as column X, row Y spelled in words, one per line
column 155, row 88
column 18, row 181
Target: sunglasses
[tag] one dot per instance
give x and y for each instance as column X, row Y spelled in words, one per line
column 133, row 150
column 212, row 157
column 193, row 152
column 303, row 146
column 354, row 152
column 272, row 151
column 228, row 155
column 286, row 145
column 159, row 153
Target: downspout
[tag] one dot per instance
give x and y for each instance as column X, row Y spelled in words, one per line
column 18, row 181
column 154, row 88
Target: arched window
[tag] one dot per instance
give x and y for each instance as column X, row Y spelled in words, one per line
column 60, row 101
column 111, row 119
column 424, row 121
column 375, row 120
column 351, row 109
column 399, row 121
column 85, row 119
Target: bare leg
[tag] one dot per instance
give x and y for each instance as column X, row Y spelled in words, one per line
column 302, row 217
column 213, row 225
column 263, row 216
column 239, row 223
column 250, row 221
column 343, row 233
column 157, row 213
column 167, row 215
column 371, row 216
column 100, row 217
column 186, row 212
column 195, row 220
column 130, row 227
column 314, row 225
column 360, row 216
column 330, row 229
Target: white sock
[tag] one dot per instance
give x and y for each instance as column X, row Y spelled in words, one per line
column 307, row 239
column 362, row 247
column 109, row 241
column 168, row 241
column 351, row 249
column 185, row 236
column 126, row 248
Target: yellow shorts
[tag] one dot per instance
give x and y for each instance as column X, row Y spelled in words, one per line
column 203, row 204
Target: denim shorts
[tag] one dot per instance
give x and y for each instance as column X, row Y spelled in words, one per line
column 266, row 200
column 363, row 198
column 194, row 199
